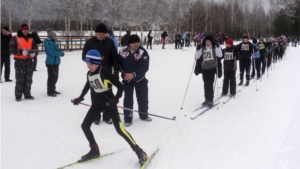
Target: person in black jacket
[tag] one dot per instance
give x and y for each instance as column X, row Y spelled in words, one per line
column 106, row 47
column 163, row 38
column 37, row 40
column 5, row 55
column 103, row 99
column 208, row 63
column 177, row 41
column 245, row 50
column 262, row 46
column 134, row 64
column 229, row 55
column 149, row 40
column 124, row 40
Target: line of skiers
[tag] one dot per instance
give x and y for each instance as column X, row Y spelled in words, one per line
column 260, row 54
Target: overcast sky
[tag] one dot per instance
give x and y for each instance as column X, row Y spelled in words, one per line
column 265, row 3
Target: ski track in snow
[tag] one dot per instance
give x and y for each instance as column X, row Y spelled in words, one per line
column 257, row 129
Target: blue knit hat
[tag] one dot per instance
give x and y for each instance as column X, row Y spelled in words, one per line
column 93, row 57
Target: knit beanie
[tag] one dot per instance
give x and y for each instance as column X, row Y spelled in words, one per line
column 254, row 41
column 101, row 28
column 245, row 36
column 210, row 38
column 49, row 30
column 230, row 42
column 133, row 39
column 6, row 28
column 51, row 34
column 24, row 27
column 261, row 39
column 93, row 57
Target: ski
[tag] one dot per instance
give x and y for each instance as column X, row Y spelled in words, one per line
column 201, row 107
column 148, row 159
column 90, row 160
column 193, row 118
column 230, row 97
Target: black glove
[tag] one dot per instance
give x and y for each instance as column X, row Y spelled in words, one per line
column 112, row 103
column 76, row 101
column 116, row 74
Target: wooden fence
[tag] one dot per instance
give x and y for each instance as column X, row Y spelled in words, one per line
column 69, row 42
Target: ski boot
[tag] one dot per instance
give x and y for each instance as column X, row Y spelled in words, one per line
column 93, row 153
column 210, row 104
column 247, row 82
column 205, row 103
column 223, row 94
column 241, row 83
column 140, row 153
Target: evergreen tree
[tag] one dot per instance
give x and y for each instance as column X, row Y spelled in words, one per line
column 281, row 24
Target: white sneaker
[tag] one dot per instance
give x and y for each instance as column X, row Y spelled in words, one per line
column 147, row 119
column 127, row 124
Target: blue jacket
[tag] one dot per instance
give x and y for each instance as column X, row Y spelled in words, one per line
column 115, row 41
column 52, row 51
column 256, row 51
column 184, row 36
column 136, row 63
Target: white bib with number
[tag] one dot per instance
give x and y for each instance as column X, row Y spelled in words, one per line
column 245, row 47
column 208, row 55
column 96, row 83
column 228, row 56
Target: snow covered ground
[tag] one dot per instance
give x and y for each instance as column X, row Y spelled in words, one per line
column 257, row 130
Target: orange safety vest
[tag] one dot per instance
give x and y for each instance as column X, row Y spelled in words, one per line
column 23, row 45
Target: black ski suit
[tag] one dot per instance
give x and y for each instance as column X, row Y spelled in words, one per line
column 245, row 52
column 101, row 94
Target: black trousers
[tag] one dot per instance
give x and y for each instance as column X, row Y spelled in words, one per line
column 177, row 44
column 229, row 80
column 149, row 42
column 269, row 60
column 208, row 77
column 91, row 115
column 52, row 78
column 281, row 52
column 263, row 62
column 141, row 90
column 245, row 64
column 256, row 66
column 5, row 60
column 275, row 56
column 24, row 73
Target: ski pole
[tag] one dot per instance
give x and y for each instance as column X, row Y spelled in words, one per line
column 173, row 118
column 188, row 85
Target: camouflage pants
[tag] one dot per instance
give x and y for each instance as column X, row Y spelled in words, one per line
column 24, row 73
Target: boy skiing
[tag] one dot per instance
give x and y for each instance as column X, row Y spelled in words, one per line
column 229, row 55
column 245, row 50
column 206, row 58
column 102, row 98
column 262, row 46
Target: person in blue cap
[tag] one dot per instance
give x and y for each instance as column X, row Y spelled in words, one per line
column 103, row 98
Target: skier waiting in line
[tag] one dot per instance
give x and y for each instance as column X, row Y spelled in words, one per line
column 263, row 54
column 245, row 50
column 102, row 98
column 206, row 58
column 177, row 40
column 255, row 60
column 229, row 55
column 270, row 49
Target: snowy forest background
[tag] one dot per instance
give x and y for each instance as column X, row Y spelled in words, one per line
column 233, row 17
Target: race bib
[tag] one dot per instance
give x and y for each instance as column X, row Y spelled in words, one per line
column 245, row 47
column 228, row 56
column 97, row 84
column 261, row 46
column 208, row 55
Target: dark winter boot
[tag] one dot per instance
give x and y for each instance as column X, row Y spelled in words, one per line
column 241, row 83
column 223, row 94
column 210, row 104
column 204, row 103
column 29, row 97
column 247, row 82
column 140, row 153
column 93, row 153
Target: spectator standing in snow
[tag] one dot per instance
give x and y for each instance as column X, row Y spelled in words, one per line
column 124, row 40
column 5, row 55
column 52, row 63
column 150, row 37
column 163, row 38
